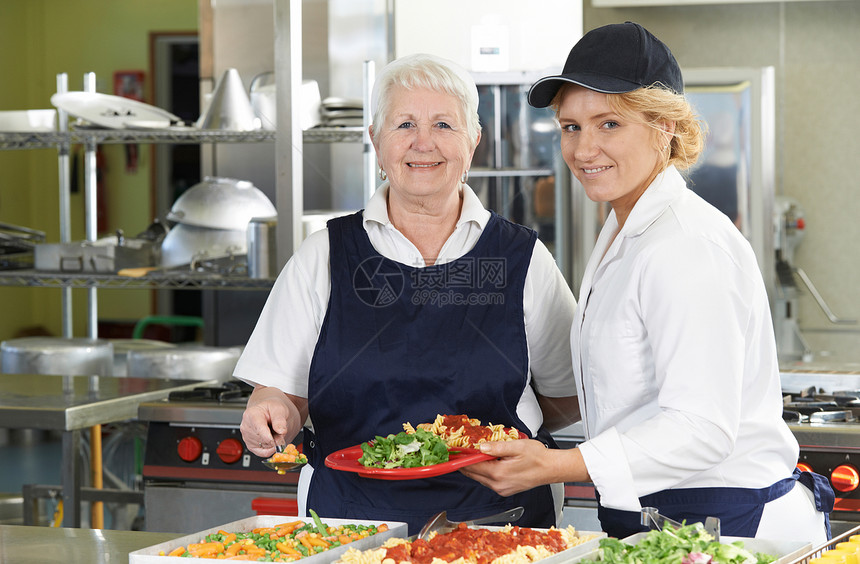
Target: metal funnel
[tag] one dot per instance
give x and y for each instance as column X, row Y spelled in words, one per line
column 230, row 108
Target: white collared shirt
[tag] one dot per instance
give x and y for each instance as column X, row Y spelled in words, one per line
column 675, row 356
column 281, row 347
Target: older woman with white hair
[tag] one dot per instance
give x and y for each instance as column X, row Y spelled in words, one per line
column 424, row 303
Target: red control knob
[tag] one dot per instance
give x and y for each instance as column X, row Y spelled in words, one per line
column 800, row 223
column 804, row 467
column 189, row 448
column 845, row 478
column 230, row 450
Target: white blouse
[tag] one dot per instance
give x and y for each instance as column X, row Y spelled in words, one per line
column 674, row 354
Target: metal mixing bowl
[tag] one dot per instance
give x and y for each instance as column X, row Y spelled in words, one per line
column 221, row 203
column 186, row 242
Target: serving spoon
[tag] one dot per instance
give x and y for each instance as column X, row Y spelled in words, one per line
column 440, row 524
column 282, row 467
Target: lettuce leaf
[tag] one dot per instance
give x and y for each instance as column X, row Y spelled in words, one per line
column 685, row 545
column 404, row 450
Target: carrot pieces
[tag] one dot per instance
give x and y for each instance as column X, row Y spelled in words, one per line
column 284, row 542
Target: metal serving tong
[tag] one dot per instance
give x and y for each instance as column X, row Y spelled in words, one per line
column 651, row 518
column 439, row 523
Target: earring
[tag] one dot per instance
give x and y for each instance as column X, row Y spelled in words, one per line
column 465, row 176
column 382, row 175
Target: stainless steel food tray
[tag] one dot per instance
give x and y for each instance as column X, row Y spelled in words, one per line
column 569, row 555
column 787, row 551
column 806, row 557
column 84, row 256
column 150, row 555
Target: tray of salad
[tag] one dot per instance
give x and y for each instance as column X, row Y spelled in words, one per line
column 274, row 538
column 691, row 544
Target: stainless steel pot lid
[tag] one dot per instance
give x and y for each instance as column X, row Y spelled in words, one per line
column 221, row 203
column 121, row 348
column 57, row 355
column 186, row 362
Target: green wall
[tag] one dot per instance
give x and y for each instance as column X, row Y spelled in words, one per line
column 38, row 40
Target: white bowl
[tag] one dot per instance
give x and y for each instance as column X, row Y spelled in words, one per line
column 28, row 120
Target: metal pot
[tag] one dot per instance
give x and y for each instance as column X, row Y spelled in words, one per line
column 121, row 348
column 184, row 243
column 263, row 94
column 262, row 256
column 221, row 203
column 187, row 362
column 57, row 355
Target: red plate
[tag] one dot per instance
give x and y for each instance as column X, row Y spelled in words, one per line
column 347, row 461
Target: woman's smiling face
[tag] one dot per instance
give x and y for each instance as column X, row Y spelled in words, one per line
column 423, row 144
column 613, row 157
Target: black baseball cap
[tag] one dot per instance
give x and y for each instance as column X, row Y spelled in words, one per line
column 613, row 59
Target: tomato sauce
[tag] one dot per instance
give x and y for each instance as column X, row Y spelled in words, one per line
column 481, row 546
column 475, row 433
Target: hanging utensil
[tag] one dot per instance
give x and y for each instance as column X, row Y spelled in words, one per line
column 440, row 524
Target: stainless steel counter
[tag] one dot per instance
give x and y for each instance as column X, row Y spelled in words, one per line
column 47, row 545
column 68, row 403
column 72, row 403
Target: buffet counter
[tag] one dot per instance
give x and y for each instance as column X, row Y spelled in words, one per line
column 47, row 545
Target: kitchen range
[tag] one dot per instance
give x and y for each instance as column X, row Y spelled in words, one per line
column 822, row 409
column 197, row 472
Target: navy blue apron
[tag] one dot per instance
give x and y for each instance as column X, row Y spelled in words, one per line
column 401, row 343
column 739, row 509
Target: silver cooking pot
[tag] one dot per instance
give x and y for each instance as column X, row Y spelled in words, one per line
column 183, row 243
column 185, row 362
column 121, row 348
column 57, row 355
column 221, row 203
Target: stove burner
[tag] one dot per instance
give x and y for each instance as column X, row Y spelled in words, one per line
column 233, row 391
column 813, row 407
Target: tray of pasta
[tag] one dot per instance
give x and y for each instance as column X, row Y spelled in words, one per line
column 471, row 545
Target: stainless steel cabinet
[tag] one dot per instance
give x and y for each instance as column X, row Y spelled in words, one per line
column 518, row 171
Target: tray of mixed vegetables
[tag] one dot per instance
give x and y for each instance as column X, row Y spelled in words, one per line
column 273, row 538
column 691, row 544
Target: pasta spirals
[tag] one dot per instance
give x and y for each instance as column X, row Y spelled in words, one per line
column 465, row 432
column 508, row 545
